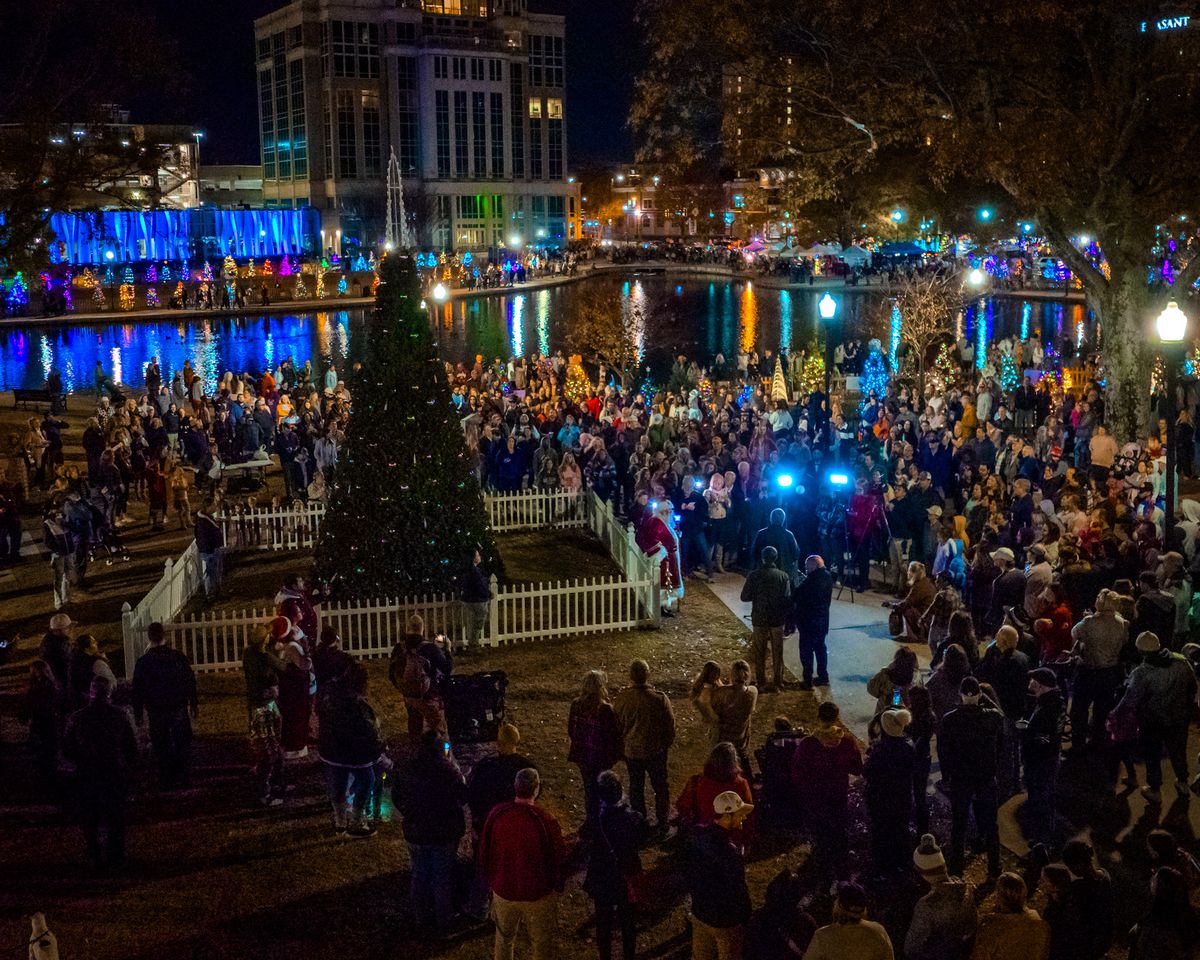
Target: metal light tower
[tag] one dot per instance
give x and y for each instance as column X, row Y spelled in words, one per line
column 397, row 233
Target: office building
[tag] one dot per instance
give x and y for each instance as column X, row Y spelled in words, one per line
column 469, row 94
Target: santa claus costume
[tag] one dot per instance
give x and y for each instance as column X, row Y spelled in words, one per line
column 657, row 539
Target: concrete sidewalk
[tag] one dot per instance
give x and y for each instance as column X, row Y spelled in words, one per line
column 858, row 644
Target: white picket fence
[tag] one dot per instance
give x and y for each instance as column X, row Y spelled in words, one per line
column 296, row 527
column 264, row 528
column 181, row 580
column 517, row 614
column 533, row 509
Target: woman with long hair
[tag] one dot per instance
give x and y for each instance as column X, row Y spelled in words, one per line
column 704, row 687
column 595, row 735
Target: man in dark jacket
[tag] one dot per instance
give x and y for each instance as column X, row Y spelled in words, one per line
column 970, row 745
column 210, row 542
column 767, row 590
column 716, row 879
column 420, row 669
column 430, row 794
column 350, row 746
column 100, row 742
column 1041, row 742
column 648, row 728
column 56, row 648
column 164, row 686
column 476, row 594
column 1008, row 589
column 810, row 614
column 776, row 535
column 1162, row 693
column 1006, row 670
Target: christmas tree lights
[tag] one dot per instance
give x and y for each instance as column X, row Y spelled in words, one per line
column 228, row 268
column 577, row 386
column 126, row 296
column 299, row 291
column 405, row 513
column 874, row 377
column 98, row 301
column 206, row 274
column 127, row 276
column 152, row 298
column 151, row 275
column 321, row 284
column 285, row 267
column 342, row 287
column 17, row 298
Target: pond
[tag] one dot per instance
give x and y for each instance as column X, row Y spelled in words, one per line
column 696, row 317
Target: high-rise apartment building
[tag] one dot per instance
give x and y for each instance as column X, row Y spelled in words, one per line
column 469, row 93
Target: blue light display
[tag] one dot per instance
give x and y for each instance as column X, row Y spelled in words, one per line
column 128, row 236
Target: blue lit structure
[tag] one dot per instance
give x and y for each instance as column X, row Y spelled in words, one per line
column 135, row 235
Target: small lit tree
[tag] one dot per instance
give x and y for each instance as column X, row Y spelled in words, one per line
column 927, row 304
column 609, row 330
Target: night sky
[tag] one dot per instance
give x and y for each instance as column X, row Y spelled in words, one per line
column 216, row 67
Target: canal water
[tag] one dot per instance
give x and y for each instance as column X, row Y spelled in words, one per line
column 697, row 318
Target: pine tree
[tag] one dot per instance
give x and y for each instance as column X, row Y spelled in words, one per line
column 405, row 513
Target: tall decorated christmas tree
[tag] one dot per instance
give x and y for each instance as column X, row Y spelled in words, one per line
column 405, row 513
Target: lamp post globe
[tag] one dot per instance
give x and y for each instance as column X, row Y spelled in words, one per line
column 440, row 293
column 827, row 307
column 976, row 277
column 1171, row 324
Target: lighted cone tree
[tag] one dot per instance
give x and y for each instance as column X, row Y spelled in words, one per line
column 405, row 513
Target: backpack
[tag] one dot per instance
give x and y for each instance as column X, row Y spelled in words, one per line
column 410, row 673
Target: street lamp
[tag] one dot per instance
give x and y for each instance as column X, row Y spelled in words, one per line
column 898, row 216
column 976, row 278
column 440, row 293
column 827, row 310
column 985, row 214
column 1171, row 327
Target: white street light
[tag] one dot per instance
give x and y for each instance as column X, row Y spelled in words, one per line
column 976, row 277
column 827, row 307
column 514, row 241
column 1172, row 324
column 440, row 293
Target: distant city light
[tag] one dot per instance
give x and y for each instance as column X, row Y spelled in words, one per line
column 985, row 213
column 898, row 216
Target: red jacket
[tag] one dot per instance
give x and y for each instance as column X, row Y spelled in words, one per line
column 521, row 852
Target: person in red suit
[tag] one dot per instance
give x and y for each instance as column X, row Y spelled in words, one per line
column 655, row 537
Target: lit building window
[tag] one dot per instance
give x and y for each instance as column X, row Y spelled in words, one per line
column 554, row 109
column 535, row 107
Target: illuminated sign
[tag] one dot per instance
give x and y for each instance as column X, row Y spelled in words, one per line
column 1167, row 23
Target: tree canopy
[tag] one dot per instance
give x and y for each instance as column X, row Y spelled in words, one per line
column 65, row 65
column 1080, row 115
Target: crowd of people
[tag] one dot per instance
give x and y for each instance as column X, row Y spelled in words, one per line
column 170, row 446
column 1025, row 550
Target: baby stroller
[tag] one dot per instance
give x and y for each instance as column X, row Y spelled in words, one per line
column 105, row 536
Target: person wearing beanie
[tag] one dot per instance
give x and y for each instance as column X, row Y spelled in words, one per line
column 851, row 936
column 1040, row 747
column 970, row 749
column 888, row 772
column 944, row 920
column 1161, row 693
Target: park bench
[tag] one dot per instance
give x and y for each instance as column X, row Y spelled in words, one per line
column 56, row 401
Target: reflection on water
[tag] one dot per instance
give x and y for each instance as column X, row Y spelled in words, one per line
column 697, row 318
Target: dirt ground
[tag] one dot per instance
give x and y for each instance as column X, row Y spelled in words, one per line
column 213, row 875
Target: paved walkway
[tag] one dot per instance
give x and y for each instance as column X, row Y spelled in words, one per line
column 858, row 645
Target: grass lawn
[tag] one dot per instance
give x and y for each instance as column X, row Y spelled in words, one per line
column 213, row 875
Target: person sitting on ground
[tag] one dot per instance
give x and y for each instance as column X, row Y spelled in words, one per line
column 921, row 591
